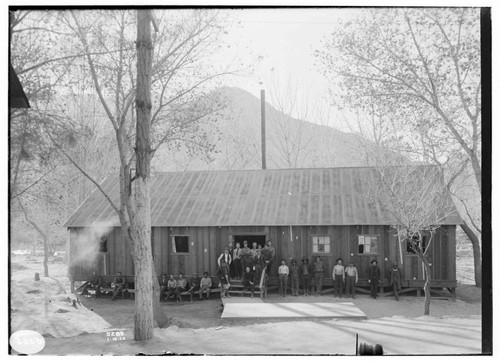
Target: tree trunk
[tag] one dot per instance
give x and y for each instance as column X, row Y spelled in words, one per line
column 476, row 250
column 42, row 234
column 45, row 257
column 143, row 261
column 140, row 218
column 427, row 287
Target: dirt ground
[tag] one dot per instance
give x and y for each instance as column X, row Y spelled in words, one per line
column 453, row 327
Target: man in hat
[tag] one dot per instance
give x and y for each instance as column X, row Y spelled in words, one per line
column 283, row 272
column 338, row 275
column 306, row 272
column 295, row 273
column 248, row 281
column 194, row 285
column 118, row 285
column 374, row 278
column 395, row 280
column 319, row 269
column 223, row 273
column 351, row 278
column 205, row 285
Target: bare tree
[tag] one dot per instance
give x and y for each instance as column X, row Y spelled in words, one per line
column 175, row 114
column 291, row 138
column 419, row 203
column 418, row 71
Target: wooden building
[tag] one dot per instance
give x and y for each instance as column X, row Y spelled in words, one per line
column 305, row 212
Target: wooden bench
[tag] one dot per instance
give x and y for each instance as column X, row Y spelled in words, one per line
column 129, row 290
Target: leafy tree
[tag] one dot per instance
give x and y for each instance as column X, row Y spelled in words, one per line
column 416, row 72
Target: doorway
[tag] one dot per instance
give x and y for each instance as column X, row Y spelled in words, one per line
column 250, row 238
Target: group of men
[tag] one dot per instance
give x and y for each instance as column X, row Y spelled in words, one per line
column 344, row 278
column 118, row 286
column 244, row 263
column 348, row 277
column 173, row 288
column 247, row 264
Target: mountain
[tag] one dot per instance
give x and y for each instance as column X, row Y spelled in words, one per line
column 290, row 142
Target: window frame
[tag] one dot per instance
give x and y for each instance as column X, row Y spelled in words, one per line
column 173, row 246
column 364, row 237
column 103, row 241
column 329, row 244
column 412, row 252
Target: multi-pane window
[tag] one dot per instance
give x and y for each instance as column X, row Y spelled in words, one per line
column 367, row 244
column 180, row 244
column 321, row 244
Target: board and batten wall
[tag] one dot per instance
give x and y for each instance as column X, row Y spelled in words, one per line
column 207, row 243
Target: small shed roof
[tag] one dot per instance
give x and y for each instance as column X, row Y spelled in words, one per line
column 273, row 197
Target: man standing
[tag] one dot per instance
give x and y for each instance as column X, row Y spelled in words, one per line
column 338, row 275
column 351, row 279
column 395, row 280
column 223, row 273
column 245, row 255
column 306, row 275
column 230, row 249
column 283, row 272
column 269, row 253
column 319, row 269
column 258, row 263
column 374, row 278
column 205, row 285
column 226, row 256
column 237, row 261
column 118, row 285
column 248, row 281
column 295, row 273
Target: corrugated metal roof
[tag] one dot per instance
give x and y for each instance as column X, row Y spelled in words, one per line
column 326, row 196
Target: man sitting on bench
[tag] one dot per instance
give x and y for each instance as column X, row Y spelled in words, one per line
column 118, row 285
column 194, row 285
column 171, row 287
column 94, row 283
column 205, row 285
column 181, row 287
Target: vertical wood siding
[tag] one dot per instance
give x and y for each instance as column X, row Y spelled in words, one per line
column 207, row 243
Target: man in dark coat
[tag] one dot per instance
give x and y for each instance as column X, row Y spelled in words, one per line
column 374, row 278
column 295, row 274
column 163, row 286
column 94, row 283
column 194, row 285
column 319, row 269
column 223, row 273
column 306, row 271
column 248, row 281
column 395, row 280
column 118, row 285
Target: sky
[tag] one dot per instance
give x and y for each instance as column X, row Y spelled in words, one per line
column 285, row 40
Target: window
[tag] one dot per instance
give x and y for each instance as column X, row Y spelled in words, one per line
column 367, row 244
column 321, row 244
column 103, row 244
column 419, row 244
column 180, row 244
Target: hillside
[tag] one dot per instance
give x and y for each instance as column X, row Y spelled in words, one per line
column 291, row 143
